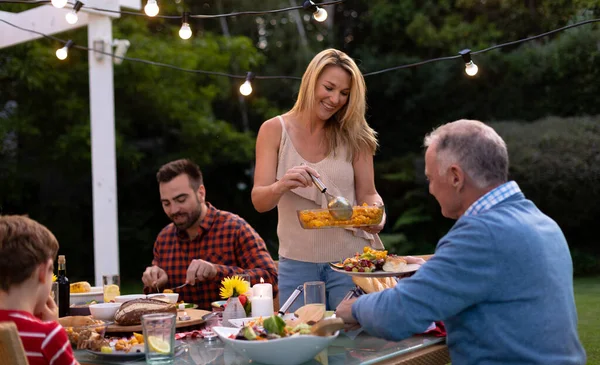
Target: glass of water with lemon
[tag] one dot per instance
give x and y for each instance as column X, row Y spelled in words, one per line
column 159, row 337
column 111, row 285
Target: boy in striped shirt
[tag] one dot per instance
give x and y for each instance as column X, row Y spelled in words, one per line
column 27, row 253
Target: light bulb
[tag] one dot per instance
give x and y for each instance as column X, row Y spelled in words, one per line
column 62, row 53
column 59, row 4
column 320, row 15
column 151, row 8
column 246, row 88
column 72, row 17
column 185, row 32
column 471, row 68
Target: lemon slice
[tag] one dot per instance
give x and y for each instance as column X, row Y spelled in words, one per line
column 159, row 345
column 106, row 350
column 111, row 292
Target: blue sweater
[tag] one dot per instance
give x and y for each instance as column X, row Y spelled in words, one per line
column 502, row 282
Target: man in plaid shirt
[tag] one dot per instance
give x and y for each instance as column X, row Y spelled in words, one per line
column 203, row 245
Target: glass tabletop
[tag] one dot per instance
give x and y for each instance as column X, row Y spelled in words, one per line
column 360, row 350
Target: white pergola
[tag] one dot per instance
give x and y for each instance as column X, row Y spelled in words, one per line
column 49, row 20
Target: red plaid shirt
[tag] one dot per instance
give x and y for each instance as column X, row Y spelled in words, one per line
column 225, row 240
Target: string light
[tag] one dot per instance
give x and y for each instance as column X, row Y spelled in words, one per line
column 465, row 54
column 63, row 52
column 72, row 15
column 246, row 87
column 151, row 8
column 59, row 4
column 470, row 67
column 319, row 14
column 185, row 32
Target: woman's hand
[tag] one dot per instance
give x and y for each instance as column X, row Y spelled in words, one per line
column 297, row 177
column 47, row 311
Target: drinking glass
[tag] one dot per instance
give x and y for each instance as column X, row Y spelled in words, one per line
column 159, row 337
column 314, row 293
column 111, row 287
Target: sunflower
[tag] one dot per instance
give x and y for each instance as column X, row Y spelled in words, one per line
column 54, row 277
column 233, row 287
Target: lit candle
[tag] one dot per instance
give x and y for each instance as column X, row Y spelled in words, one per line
column 262, row 306
column 263, row 289
column 262, row 299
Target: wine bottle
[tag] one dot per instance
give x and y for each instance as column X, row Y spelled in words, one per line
column 64, row 289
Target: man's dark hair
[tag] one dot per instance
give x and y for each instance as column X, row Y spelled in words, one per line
column 175, row 168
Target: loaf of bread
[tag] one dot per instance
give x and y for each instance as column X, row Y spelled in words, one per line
column 130, row 313
column 394, row 264
column 80, row 287
column 373, row 285
column 76, row 321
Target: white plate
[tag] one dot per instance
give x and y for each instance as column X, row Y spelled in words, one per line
column 377, row 274
column 240, row 322
column 282, row 351
column 81, row 298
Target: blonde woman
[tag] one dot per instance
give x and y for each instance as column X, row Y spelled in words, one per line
column 325, row 134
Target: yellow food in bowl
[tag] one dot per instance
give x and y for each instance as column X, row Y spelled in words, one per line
column 361, row 216
column 80, row 287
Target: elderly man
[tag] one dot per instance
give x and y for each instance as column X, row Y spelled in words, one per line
column 203, row 245
column 501, row 279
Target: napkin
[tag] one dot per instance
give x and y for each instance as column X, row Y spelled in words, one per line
column 437, row 329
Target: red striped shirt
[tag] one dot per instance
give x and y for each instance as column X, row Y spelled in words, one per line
column 45, row 343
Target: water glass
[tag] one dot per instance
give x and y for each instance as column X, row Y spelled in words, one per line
column 159, row 337
column 111, row 287
column 314, row 293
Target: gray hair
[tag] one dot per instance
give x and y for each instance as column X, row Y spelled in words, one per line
column 475, row 147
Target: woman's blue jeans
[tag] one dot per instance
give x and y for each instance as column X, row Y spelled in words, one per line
column 293, row 273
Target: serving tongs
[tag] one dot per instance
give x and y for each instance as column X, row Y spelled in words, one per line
column 339, row 207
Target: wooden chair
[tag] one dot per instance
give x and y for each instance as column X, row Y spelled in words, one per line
column 11, row 347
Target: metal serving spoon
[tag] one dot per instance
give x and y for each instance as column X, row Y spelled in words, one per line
column 339, row 207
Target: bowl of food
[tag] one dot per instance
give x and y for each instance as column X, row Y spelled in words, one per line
column 104, row 311
column 167, row 297
column 85, row 332
column 128, row 297
column 362, row 216
column 82, row 293
column 218, row 306
column 260, row 343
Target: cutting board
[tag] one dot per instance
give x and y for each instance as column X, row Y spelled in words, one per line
column 195, row 319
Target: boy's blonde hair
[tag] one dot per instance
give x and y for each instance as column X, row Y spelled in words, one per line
column 24, row 244
column 348, row 126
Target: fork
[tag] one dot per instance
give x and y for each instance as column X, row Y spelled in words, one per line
column 179, row 287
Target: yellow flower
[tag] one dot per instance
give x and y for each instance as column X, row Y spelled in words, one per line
column 54, row 277
column 233, row 287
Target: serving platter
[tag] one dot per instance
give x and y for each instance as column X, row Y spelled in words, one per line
column 131, row 355
column 194, row 314
column 409, row 268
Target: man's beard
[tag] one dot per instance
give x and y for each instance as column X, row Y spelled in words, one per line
column 192, row 218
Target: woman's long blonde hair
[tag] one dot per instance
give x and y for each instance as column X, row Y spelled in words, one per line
column 348, row 126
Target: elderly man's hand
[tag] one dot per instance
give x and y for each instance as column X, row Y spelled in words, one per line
column 200, row 270
column 344, row 311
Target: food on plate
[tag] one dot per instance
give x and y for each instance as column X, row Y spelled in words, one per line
column 168, row 291
column 361, row 216
column 394, row 264
column 373, row 285
column 124, row 345
column 131, row 312
column 80, row 287
column 84, row 332
column 369, row 261
column 270, row 328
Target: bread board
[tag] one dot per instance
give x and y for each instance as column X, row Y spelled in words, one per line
column 194, row 314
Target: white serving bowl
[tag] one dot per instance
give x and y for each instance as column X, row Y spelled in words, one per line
column 241, row 322
column 81, row 298
column 282, row 351
column 172, row 297
column 128, row 297
column 104, row 311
